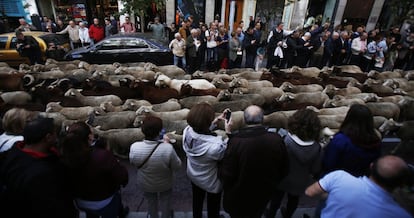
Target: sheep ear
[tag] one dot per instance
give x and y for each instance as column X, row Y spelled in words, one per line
column 58, row 102
column 334, row 104
column 291, row 96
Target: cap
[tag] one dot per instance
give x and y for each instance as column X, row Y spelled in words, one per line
column 35, row 130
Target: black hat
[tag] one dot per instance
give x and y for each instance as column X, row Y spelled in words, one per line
column 35, row 130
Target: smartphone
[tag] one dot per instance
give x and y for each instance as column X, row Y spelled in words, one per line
column 227, row 115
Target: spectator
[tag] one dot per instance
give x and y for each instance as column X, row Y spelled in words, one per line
column 115, row 25
column 13, row 124
column 358, row 48
column 251, row 22
column 158, row 31
column 406, row 52
column 128, row 26
column 27, row 46
column 96, row 31
column 56, row 52
column 319, row 45
column 223, row 48
column 156, row 162
column 211, row 38
column 108, row 28
column 372, row 55
column 304, row 152
column 184, row 30
column 348, row 196
column 84, row 38
column 172, row 30
column 328, row 51
column 178, row 48
column 43, row 24
column 24, row 26
column 203, row 46
column 193, row 45
column 340, row 49
column 250, row 44
column 204, row 149
column 356, row 144
column 303, row 50
column 392, row 55
column 395, row 32
column 235, row 51
column 94, row 174
column 290, row 52
column 31, row 170
column 60, row 26
column 254, row 163
column 73, row 31
column 275, row 40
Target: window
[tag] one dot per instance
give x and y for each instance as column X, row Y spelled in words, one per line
column 13, row 43
column 3, row 42
column 111, row 44
column 135, row 43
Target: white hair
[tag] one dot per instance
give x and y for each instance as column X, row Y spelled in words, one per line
column 177, row 35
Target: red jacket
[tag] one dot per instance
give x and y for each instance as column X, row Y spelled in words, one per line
column 96, row 33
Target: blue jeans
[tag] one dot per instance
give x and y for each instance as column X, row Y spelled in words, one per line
column 109, row 211
column 163, row 199
column 212, row 54
column 183, row 61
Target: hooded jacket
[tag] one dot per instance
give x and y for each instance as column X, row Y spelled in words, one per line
column 203, row 153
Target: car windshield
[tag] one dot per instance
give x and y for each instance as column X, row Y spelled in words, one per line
column 55, row 38
column 135, row 43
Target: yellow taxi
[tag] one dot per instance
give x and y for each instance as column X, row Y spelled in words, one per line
column 9, row 54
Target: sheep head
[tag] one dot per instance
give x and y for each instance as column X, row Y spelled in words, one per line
column 53, row 107
column 144, row 110
column 373, row 74
column 224, row 95
column 162, row 80
column 73, row 93
column 286, row 97
column 286, row 86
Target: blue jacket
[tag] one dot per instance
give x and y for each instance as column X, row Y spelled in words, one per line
column 342, row 154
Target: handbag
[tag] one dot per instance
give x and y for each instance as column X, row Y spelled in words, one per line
column 146, row 159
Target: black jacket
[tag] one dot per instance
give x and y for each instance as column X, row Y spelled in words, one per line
column 33, row 187
column 34, row 48
column 255, row 162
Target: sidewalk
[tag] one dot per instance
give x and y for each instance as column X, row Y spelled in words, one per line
column 298, row 214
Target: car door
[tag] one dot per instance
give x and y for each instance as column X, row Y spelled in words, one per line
column 8, row 52
column 106, row 51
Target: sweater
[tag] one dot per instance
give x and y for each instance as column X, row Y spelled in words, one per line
column 157, row 174
column 177, row 47
column 203, row 154
column 72, row 31
column 35, row 185
column 96, row 32
column 304, row 160
column 254, row 163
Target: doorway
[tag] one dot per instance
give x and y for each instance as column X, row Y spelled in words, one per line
column 238, row 13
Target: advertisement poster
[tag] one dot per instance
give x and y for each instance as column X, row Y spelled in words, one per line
column 192, row 7
column 79, row 12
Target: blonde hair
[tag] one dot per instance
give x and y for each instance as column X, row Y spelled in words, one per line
column 14, row 120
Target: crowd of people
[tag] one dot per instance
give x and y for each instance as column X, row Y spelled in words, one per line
column 315, row 45
column 60, row 173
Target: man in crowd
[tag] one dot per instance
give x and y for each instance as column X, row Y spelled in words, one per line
column 158, row 31
column 349, row 196
column 254, row 163
column 24, row 26
column 250, row 44
column 73, row 30
column 274, row 40
column 128, row 26
column 192, row 44
column 33, row 178
column 358, row 48
column 341, row 49
column 27, row 46
column 96, row 31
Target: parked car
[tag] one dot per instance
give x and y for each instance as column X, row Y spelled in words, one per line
column 124, row 48
column 9, row 54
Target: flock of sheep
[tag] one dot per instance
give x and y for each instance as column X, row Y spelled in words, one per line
column 114, row 98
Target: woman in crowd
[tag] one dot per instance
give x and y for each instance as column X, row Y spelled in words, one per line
column 304, row 152
column 156, row 161
column 355, row 146
column 13, row 123
column 95, row 174
column 235, row 51
column 204, row 149
column 223, row 48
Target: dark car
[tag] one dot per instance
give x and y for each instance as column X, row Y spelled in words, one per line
column 123, row 48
